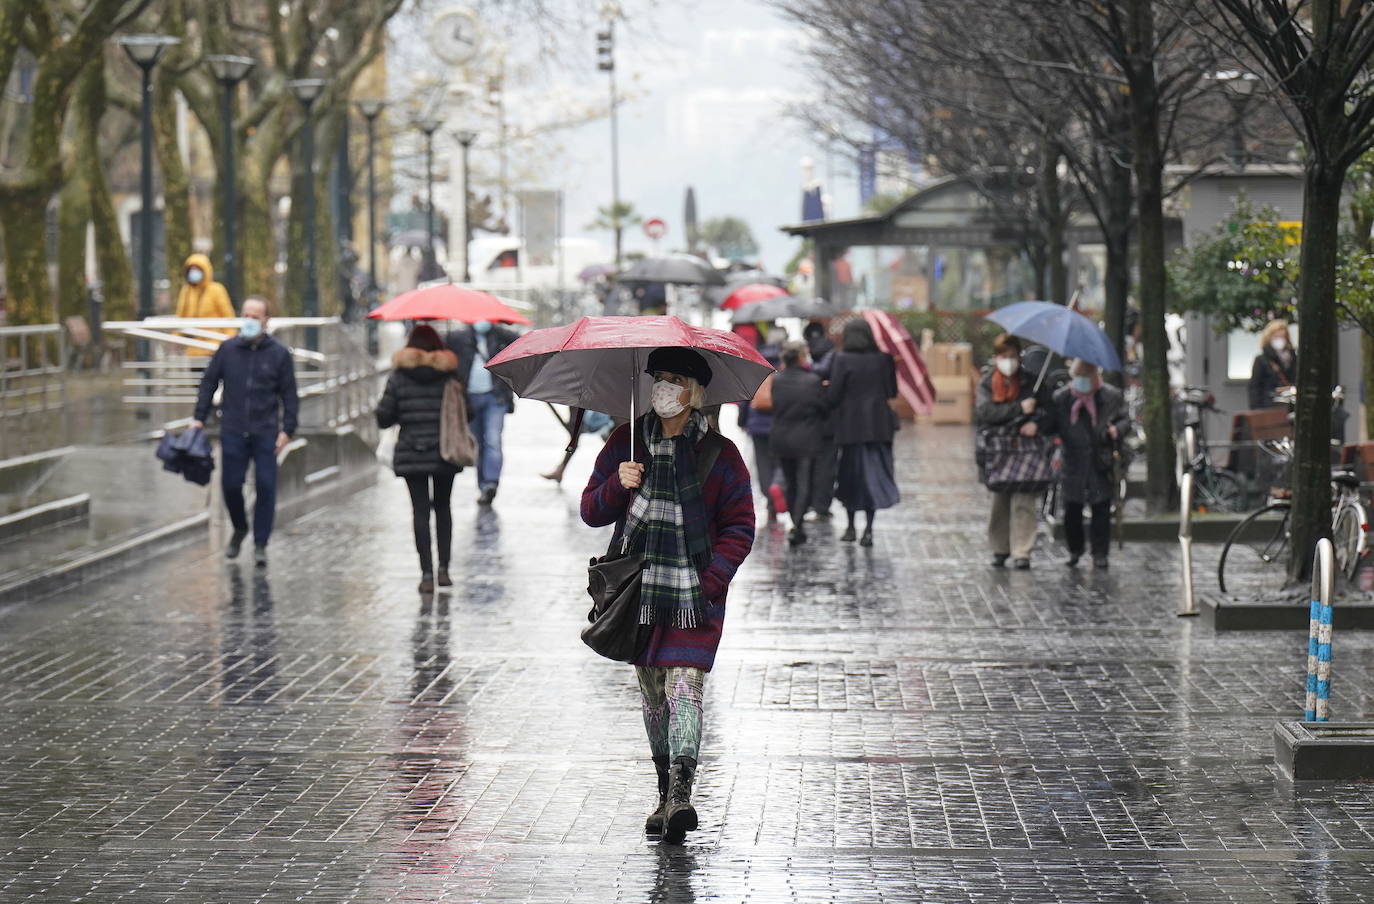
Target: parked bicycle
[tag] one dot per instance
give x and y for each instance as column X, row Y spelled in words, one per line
column 1256, row 552
column 1215, row 489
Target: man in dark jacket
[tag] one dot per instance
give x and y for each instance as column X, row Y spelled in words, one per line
column 489, row 399
column 258, row 414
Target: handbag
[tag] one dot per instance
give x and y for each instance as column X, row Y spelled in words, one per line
column 1017, row 464
column 615, row 580
column 456, row 443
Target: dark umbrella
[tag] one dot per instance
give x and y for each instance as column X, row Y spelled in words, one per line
column 595, row 271
column 683, row 271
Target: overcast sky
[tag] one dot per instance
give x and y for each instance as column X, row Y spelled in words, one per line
column 706, row 88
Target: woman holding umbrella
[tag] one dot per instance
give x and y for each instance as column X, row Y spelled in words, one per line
column 695, row 535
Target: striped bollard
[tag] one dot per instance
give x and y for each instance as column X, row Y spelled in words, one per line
column 1318, row 704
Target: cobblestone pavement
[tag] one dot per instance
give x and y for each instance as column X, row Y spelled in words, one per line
column 897, row 724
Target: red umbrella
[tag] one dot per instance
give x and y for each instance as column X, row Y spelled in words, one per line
column 596, row 362
column 448, row 302
column 750, row 292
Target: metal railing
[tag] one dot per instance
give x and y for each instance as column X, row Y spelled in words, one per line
column 337, row 383
column 33, row 382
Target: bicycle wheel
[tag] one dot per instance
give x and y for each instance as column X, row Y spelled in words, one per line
column 1255, row 556
column 1347, row 536
column 1219, row 491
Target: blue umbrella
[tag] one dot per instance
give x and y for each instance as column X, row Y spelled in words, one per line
column 1060, row 329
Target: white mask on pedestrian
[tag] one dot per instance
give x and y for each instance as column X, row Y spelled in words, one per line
column 194, row 275
column 666, row 399
column 251, row 328
column 1280, row 344
column 1008, row 366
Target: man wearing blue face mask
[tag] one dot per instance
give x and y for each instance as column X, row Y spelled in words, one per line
column 258, row 414
column 489, row 399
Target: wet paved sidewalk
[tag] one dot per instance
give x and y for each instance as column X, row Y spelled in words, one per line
column 896, row 724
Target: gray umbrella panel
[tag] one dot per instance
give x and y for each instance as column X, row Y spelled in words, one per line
column 678, row 270
column 782, row 306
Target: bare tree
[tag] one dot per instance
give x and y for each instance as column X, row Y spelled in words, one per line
column 1317, row 53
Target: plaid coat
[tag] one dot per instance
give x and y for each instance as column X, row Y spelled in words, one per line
column 728, row 500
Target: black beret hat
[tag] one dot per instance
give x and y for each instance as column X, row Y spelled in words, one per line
column 679, row 360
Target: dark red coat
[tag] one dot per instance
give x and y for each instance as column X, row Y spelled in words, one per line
column 728, row 501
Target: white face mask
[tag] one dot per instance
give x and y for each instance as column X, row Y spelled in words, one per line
column 665, row 399
column 1280, row 344
column 1008, row 366
column 194, row 275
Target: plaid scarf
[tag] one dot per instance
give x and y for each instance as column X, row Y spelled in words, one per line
column 667, row 521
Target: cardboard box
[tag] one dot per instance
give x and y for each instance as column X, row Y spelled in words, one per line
column 953, row 400
column 949, row 359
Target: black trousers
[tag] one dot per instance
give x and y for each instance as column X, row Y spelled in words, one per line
column 796, row 476
column 823, row 469
column 1100, row 530
column 421, row 503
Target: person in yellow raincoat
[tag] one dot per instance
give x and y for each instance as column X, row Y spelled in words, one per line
column 201, row 296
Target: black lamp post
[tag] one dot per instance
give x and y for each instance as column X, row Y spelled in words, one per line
column 429, row 126
column 229, row 70
column 145, row 50
column 1239, row 88
column 371, row 109
column 306, row 91
column 466, row 137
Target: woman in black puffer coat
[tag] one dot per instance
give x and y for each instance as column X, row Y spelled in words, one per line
column 414, row 398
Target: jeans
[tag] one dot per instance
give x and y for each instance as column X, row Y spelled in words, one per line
column 421, row 503
column 486, row 417
column 237, row 449
column 796, row 477
column 1100, row 532
column 1011, row 524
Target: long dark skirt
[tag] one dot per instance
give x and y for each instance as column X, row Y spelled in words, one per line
column 866, row 480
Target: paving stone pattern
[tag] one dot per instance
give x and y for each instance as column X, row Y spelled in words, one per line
column 897, row 724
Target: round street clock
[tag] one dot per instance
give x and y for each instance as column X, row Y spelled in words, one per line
column 455, row 36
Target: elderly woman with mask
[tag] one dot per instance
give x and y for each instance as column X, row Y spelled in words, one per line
column 1008, row 403
column 695, row 534
column 1090, row 416
column 1276, row 366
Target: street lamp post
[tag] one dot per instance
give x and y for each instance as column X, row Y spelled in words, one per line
column 605, row 48
column 1239, row 88
column 371, row 109
column 465, row 138
column 429, row 126
column 145, row 50
column 306, row 91
column 229, row 71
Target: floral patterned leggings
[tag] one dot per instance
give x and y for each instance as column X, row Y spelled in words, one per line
column 671, row 700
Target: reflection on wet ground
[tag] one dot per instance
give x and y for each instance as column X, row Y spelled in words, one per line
column 899, row 723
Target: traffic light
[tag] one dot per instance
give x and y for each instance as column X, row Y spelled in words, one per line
column 605, row 50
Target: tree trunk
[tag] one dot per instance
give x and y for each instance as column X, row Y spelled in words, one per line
column 1317, row 317
column 112, row 259
column 73, row 214
column 1117, row 237
column 26, row 256
column 176, row 185
column 1149, row 176
column 1052, row 216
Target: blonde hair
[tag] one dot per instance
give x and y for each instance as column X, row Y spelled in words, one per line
column 696, row 394
column 1270, row 329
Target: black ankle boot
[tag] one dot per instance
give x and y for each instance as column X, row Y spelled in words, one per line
column 680, row 817
column 654, row 824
